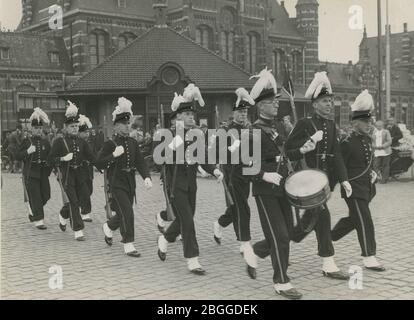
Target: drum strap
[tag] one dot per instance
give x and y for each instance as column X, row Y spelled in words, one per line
column 363, row 172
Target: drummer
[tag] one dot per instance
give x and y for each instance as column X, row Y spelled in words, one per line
column 358, row 156
column 273, row 207
column 314, row 140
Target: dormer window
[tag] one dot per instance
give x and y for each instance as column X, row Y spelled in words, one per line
column 54, row 57
column 121, row 3
column 4, row 53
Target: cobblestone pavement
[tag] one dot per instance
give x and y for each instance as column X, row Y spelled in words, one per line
column 92, row 270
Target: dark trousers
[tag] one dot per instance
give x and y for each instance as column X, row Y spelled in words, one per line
column 382, row 167
column 85, row 200
column 122, row 204
column 39, row 194
column 360, row 219
column 184, row 204
column 75, row 190
column 274, row 215
column 322, row 229
column 239, row 213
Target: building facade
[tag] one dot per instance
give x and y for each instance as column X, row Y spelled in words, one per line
column 348, row 80
column 32, row 69
column 248, row 34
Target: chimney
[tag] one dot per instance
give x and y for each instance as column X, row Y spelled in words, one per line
column 365, row 32
column 160, row 12
column 406, row 45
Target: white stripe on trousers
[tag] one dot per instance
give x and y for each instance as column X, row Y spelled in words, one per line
column 363, row 226
column 274, row 238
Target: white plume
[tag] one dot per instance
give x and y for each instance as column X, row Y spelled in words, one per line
column 319, row 82
column 266, row 81
column 84, row 120
column 124, row 106
column 243, row 94
column 72, row 110
column 178, row 99
column 191, row 93
column 364, row 102
column 39, row 115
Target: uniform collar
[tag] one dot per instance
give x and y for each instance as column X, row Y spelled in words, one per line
column 266, row 120
column 318, row 117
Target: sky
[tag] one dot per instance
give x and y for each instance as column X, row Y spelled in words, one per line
column 334, row 19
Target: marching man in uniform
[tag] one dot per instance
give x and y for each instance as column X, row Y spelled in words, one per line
column 182, row 182
column 86, row 207
column 268, row 188
column 324, row 155
column 68, row 154
column 237, row 214
column 34, row 152
column 122, row 158
column 358, row 157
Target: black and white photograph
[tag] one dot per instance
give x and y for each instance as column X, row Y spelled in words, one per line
column 207, row 150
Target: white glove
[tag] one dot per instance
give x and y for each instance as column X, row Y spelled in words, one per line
column 308, row 147
column 32, row 149
column 318, row 136
column 148, row 183
column 272, row 177
column 203, row 173
column 119, row 150
column 67, row 158
column 348, row 189
column 219, row 175
column 234, row 146
column 374, row 176
column 177, row 141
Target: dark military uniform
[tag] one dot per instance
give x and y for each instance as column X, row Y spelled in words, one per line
column 274, row 210
column 122, row 182
column 358, row 154
column 182, row 183
column 36, row 174
column 239, row 187
column 74, row 180
column 326, row 157
column 87, row 169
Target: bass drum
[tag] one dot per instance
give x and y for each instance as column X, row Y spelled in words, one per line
column 308, row 189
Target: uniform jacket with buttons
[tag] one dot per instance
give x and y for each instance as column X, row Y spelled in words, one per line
column 358, row 154
column 185, row 173
column 272, row 139
column 234, row 172
column 327, row 155
column 121, row 170
column 35, row 164
column 71, row 170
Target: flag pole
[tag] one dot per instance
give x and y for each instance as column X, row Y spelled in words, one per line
column 388, row 65
column 379, row 18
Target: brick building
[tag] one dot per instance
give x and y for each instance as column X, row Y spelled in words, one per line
column 32, row 69
column 348, row 80
column 248, row 34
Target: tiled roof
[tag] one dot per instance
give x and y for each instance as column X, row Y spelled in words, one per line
column 135, row 66
column 338, row 75
column 31, row 52
column 283, row 26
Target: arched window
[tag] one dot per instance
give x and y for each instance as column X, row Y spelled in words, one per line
column 125, row 39
column 204, row 36
column 227, row 44
column 252, row 43
column 278, row 60
column 98, row 44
